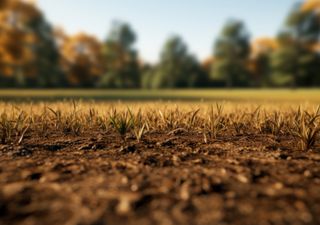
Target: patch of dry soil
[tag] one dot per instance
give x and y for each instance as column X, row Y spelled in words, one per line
column 165, row 179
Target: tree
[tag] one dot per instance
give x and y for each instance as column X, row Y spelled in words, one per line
column 260, row 57
column 121, row 59
column 47, row 54
column 285, row 64
column 147, row 73
column 295, row 63
column 177, row 68
column 310, row 5
column 231, row 53
column 302, row 24
column 29, row 56
column 81, row 59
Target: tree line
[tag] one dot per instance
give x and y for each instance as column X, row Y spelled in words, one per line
column 35, row 54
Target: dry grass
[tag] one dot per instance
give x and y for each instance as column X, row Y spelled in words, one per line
column 137, row 119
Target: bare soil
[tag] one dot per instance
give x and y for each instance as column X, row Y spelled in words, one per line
column 167, row 178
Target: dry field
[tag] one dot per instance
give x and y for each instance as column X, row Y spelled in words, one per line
column 79, row 163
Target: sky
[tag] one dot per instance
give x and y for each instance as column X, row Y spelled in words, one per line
column 198, row 22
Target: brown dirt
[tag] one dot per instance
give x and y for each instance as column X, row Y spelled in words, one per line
column 165, row 179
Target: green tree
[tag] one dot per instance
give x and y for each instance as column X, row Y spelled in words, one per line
column 260, row 58
column 295, row 63
column 147, row 73
column 177, row 68
column 47, row 60
column 303, row 25
column 262, row 74
column 231, row 52
column 121, row 59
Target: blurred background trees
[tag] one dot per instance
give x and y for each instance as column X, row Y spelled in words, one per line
column 295, row 62
column 29, row 56
column 231, row 53
column 81, row 59
column 35, row 54
column 259, row 61
column 122, row 69
column 177, row 68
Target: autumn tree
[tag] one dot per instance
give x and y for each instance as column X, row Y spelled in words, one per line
column 231, row 52
column 120, row 58
column 82, row 60
column 28, row 53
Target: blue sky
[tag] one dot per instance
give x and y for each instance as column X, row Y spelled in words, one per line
column 197, row 21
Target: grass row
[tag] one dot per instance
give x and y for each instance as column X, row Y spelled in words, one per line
column 210, row 120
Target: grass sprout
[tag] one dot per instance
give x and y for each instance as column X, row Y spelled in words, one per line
column 307, row 128
column 122, row 122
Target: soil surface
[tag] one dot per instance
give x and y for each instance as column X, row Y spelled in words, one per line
column 166, row 179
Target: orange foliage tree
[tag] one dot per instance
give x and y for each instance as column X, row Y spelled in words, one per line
column 82, row 60
column 16, row 40
column 27, row 50
column 311, row 5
